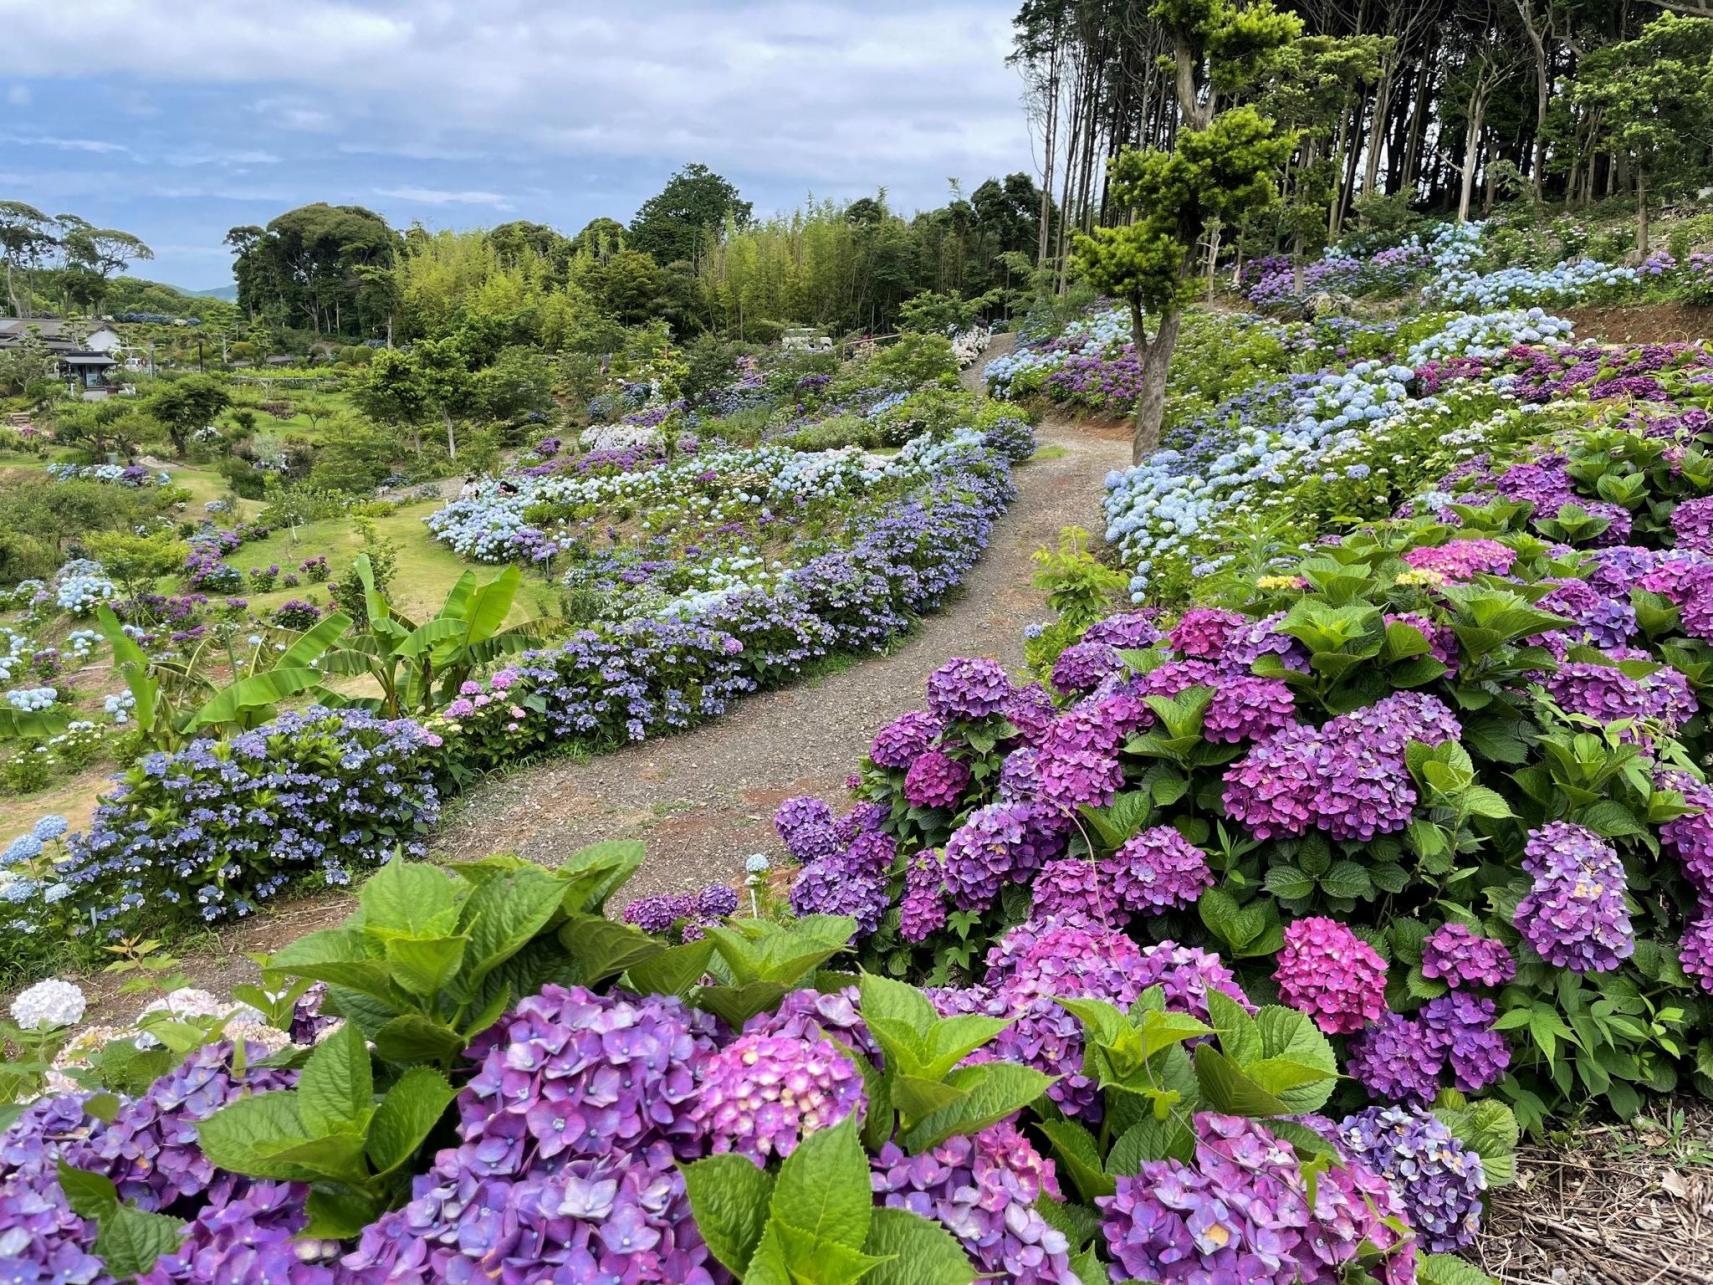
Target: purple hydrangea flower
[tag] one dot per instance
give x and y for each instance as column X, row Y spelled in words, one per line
column 1456, row 955
column 1462, row 1024
column 999, row 844
column 935, row 781
column 1397, row 1060
column 922, row 912
column 1084, row 665
column 1439, row 1180
column 1158, row 870
column 969, row 690
column 806, row 827
column 1248, row 709
column 1074, row 886
column 1574, row 916
column 903, row 740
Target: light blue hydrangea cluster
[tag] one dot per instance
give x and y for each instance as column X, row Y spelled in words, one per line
column 1490, row 334
column 32, row 699
column 1568, row 282
column 81, row 592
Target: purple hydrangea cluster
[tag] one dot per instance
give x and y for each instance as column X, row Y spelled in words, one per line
column 968, row 690
column 1607, row 694
column 1073, row 886
column 1331, row 974
column 1437, row 1178
column 564, row 1169
column 935, row 780
column 852, row 882
column 902, row 741
column 1686, row 581
column 1404, row 1059
column 1186, row 974
column 1241, row 1214
column 1031, row 711
column 1603, row 621
column 1074, row 764
column 999, row 844
column 1158, row 870
column 1129, row 630
column 1347, row 778
column 1575, row 917
column 806, row 827
column 922, row 910
column 657, row 914
column 1690, row 838
column 249, row 1235
column 1085, row 665
column 1692, row 524
column 983, row 1189
column 1458, row 956
column 1206, row 632
column 762, row 1094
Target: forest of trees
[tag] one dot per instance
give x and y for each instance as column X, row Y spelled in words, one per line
column 1446, row 105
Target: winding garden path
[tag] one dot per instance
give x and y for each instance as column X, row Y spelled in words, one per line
column 703, row 801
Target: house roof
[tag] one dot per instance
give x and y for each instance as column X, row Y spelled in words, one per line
column 87, row 359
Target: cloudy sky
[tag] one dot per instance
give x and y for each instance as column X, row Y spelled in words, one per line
column 177, row 119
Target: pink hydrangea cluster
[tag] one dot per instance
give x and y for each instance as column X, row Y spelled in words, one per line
column 935, row 780
column 983, row 1189
column 968, row 689
column 762, row 1094
column 902, row 741
column 1331, row 974
column 1460, row 560
column 1686, row 581
column 999, row 844
column 1240, row 1214
column 1574, row 916
column 1692, row 524
column 1206, row 632
column 1158, row 870
column 922, row 910
column 1458, row 956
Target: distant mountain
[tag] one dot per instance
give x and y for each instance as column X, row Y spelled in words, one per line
column 228, row 293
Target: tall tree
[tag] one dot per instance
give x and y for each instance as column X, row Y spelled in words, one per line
column 26, row 238
column 677, row 222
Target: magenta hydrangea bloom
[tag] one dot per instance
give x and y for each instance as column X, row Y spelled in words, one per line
column 999, row 844
column 1575, row 917
column 1241, row 1215
column 935, row 781
column 983, row 1189
column 1331, row 974
column 1075, row 764
column 1053, row 957
column 762, row 1094
column 968, row 689
column 1438, row 1179
column 1454, row 954
column 1686, row 581
column 1463, row 559
column 922, row 912
column 1075, row 886
column 1246, row 708
column 1206, row 632
column 1158, row 870
column 1692, row 523
column 807, row 828
column 902, row 741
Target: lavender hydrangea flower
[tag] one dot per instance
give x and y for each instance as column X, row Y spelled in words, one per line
column 983, row 1189
column 998, row 844
column 903, row 740
column 1397, row 1060
column 1246, row 708
column 1454, row 954
column 1462, row 1025
column 1074, row 886
column 1439, row 1180
column 1331, row 974
column 968, row 689
column 806, row 827
column 716, row 901
column 845, row 883
column 1084, row 665
column 1158, row 870
column 658, row 913
column 1186, row 974
column 1575, row 917
column 762, row 1094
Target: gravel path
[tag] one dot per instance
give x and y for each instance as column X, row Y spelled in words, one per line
column 704, row 800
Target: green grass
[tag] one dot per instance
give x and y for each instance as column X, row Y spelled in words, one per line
column 1051, row 452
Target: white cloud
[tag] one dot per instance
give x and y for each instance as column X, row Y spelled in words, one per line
column 435, row 196
column 100, row 147
column 854, row 93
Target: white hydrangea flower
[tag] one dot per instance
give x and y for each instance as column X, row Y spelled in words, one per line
column 49, row 1006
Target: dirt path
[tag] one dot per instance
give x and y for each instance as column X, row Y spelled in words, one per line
column 703, row 801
